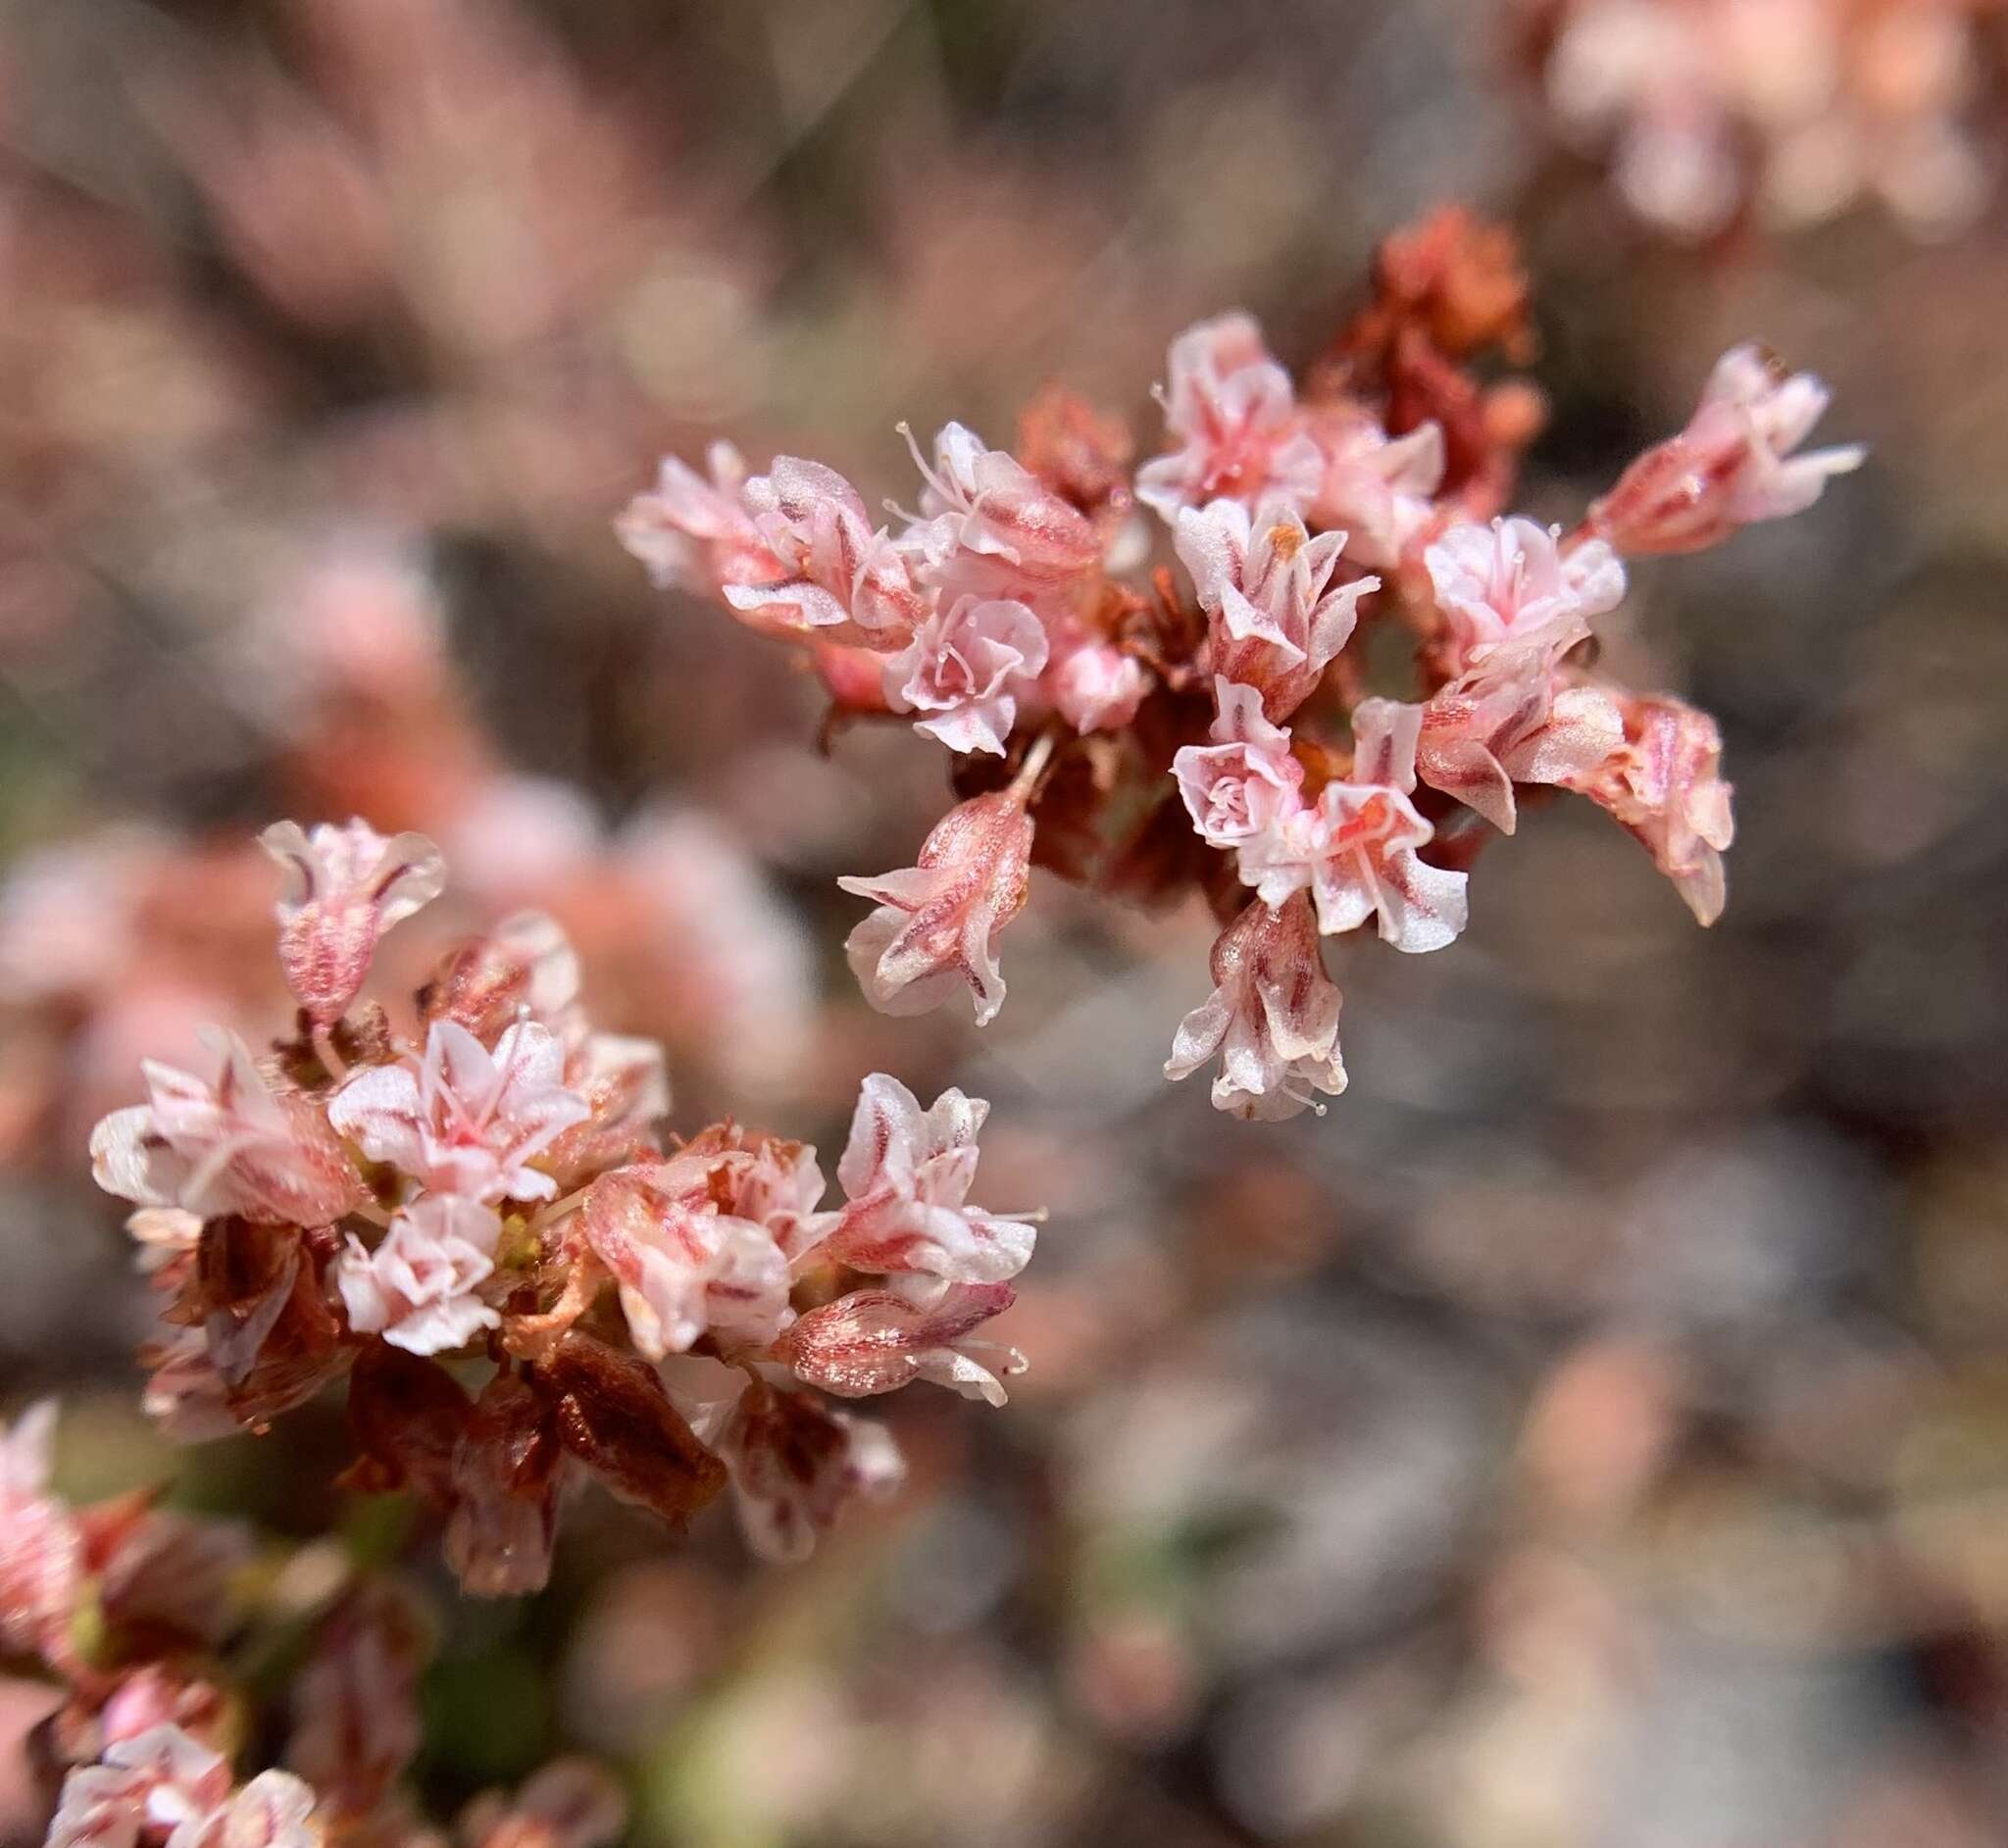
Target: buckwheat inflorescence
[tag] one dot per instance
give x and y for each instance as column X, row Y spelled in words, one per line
column 1218, row 731
column 482, row 1182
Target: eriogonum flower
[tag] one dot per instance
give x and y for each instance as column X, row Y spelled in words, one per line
column 417, row 1287
column 1232, row 418
column 835, row 569
column 1510, row 582
column 768, row 1180
column 1664, row 785
column 462, row 1119
column 274, row 1809
column 1513, row 719
column 906, row 1174
column 964, row 671
column 797, row 1464
column 936, row 924
column 878, row 1340
column 696, row 534
column 1277, row 621
column 1094, row 684
column 683, row 1267
column 984, row 502
column 1245, row 782
column 1732, row 466
column 345, row 886
column 224, row 1144
column 1376, row 488
column 1271, row 1019
column 161, row 1784
column 1356, row 849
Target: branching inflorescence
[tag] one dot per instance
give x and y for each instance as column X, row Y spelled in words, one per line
column 482, row 1192
column 1223, row 732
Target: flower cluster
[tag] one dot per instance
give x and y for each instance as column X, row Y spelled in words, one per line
column 369, row 1202
column 1794, row 110
column 1223, row 733
column 140, row 1616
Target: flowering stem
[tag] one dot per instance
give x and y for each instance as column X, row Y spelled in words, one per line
column 1034, row 767
column 325, row 1049
column 555, row 1210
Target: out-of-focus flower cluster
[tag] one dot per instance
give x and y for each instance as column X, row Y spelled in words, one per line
column 1243, row 731
column 1785, row 111
column 151, row 1626
column 373, row 1198
column 127, row 938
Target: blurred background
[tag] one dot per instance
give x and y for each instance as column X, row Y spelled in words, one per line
column 1592, row 1434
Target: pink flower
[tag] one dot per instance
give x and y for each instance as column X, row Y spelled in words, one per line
column 1664, row 785
column 101, row 1807
column 1356, row 850
column 1265, row 583
column 1509, row 720
column 795, row 1464
column 1510, row 582
column 1096, row 686
column 161, row 1782
column 1232, row 415
column 1732, row 467
column 877, row 1340
column 464, row 1121
column 963, row 671
column 1242, row 784
column 1378, row 489
column 694, row 534
column 345, row 887
column 833, row 567
column 40, row 1551
column 984, row 502
column 226, row 1144
column 157, row 1695
column 274, row 1809
column 683, row 1267
column 417, row 1288
column 1273, row 1018
column 182, row 1779
column 907, row 1174
column 936, row 923
column 776, row 1185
